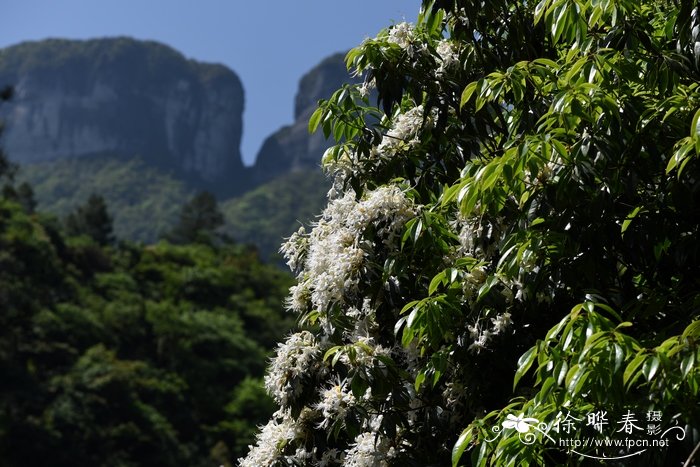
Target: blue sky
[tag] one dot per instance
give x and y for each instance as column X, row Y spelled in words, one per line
column 269, row 44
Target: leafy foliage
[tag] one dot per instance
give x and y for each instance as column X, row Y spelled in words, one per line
column 91, row 219
column 145, row 202
column 7, row 169
column 199, row 219
column 129, row 355
column 512, row 211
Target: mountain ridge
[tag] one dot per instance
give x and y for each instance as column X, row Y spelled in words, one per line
column 123, row 96
column 87, row 77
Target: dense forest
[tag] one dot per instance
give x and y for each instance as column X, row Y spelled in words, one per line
column 120, row 354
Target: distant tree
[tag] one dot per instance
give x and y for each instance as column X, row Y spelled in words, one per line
column 91, row 219
column 7, row 169
column 23, row 195
column 198, row 221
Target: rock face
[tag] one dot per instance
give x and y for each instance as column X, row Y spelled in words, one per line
column 292, row 148
column 125, row 97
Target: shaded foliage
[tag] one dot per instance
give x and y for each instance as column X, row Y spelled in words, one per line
column 199, row 220
column 144, row 201
column 129, row 355
column 91, row 219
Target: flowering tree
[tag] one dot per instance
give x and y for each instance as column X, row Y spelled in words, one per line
column 511, row 241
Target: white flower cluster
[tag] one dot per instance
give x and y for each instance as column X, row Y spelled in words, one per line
column 295, row 358
column 334, row 262
column 449, row 55
column 479, row 236
column 333, row 256
column 334, row 403
column 366, row 88
column 294, row 248
column 402, row 34
column 271, row 441
column 369, row 450
column 405, row 131
column 549, row 171
column 481, row 337
column 330, row 457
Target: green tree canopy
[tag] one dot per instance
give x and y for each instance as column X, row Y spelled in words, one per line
column 91, row 219
column 511, row 242
column 198, row 221
column 130, row 355
column 7, row 169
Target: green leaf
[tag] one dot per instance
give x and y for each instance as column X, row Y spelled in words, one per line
column 540, row 8
column 619, row 356
column 524, row 364
column 462, row 442
column 435, row 283
column 651, row 365
column 331, row 351
column 467, row 93
column 695, row 126
column 315, row 119
column 687, row 364
column 628, row 220
column 627, row 377
column 561, row 373
column 419, row 380
column 693, row 330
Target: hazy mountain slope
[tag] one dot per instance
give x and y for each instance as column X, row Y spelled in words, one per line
column 144, row 201
column 138, row 123
column 275, row 210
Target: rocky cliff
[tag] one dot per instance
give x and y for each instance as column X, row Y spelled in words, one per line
column 292, row 148
column 143, row 126
column 125, row 97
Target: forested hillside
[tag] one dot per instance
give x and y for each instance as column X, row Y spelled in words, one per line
column 129, row 355
column 144, row 200
column 275, row 210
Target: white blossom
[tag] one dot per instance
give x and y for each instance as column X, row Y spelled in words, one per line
column 335, row 402
column 335, row 260
column 402, row 34
column 448, row 53
column 295, row 358
column 295, row 248
column 369, row 450
column 480, row 341
column 271, row 441
column 299, row 297
column 501, row 323
column 405, row 130
column 481, row 336
column 330, row 457
column 366, row 88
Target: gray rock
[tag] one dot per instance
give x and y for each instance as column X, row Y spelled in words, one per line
column 292, row 148
column 125, row 97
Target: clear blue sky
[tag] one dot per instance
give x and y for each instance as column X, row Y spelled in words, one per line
column 269, row 44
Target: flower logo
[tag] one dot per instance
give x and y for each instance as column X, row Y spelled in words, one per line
column 520, row 423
